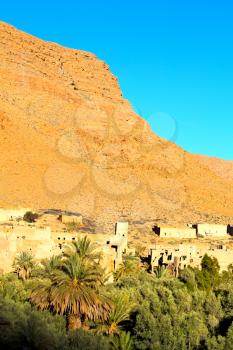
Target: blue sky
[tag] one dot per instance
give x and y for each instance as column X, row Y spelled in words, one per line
column 173, row 59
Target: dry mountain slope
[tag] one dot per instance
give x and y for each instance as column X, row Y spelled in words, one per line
column 223, row 168
column 70, row 140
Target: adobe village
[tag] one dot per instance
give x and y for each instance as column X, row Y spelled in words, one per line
column 51, row 231
column 111, row 236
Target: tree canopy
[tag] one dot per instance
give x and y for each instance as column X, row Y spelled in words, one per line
column 64, row 303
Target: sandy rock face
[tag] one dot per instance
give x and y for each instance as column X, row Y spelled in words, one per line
column 69, row 140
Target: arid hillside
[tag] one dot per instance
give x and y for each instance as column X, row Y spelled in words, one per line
column 70, row 140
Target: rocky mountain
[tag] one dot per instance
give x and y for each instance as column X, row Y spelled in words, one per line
column 69, row 140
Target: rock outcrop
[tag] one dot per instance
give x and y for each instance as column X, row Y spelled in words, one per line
column 69, row 140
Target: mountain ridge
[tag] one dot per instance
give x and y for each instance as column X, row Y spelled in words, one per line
column 70, row 140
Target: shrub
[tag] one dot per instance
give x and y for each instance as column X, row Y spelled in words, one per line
column 30, row 217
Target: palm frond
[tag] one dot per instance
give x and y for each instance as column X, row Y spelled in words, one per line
column 74, row 290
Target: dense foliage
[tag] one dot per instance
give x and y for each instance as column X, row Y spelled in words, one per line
column 64, row 303
column 30, row 217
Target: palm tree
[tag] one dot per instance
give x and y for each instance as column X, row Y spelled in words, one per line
column 129, row 266
column 48, row 266
column 73, row 292
column 230, row 268
column 122, row 341
column 23, row 265
column 84, row 248
column 160, row 271
column 120, row 312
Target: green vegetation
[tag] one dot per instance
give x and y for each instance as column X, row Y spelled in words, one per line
column 84, row 249
column 72, row 291
column 129, row 267
column 73, row 227
column 63, row 303
column 23, row 265
column 30, row 217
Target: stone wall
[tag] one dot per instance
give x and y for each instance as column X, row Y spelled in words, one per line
column 183, row 255
column 77, row 219
column 16, row 239
column 42, row 243
column 175, row 232
column 12, row 214
column 211, row 230
column 122, row 233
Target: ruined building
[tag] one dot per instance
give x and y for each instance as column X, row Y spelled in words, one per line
column 182, row 255
column 192, row 231
column 42, row 241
